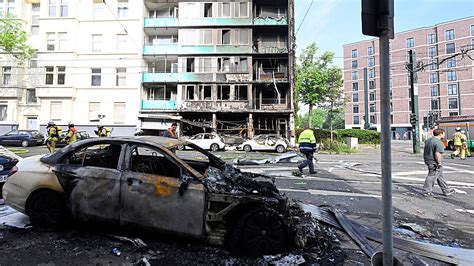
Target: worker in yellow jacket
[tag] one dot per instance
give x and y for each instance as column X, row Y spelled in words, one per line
column 457, row 139
column 307, row 146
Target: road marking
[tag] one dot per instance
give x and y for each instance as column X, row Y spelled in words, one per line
column 331, row 193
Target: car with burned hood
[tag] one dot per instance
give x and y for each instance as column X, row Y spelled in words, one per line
column 139, row 181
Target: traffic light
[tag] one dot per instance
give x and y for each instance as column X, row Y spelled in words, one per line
column 426, row 123
column 413, row 119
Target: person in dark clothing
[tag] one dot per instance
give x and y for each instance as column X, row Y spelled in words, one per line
column 171, row 132
column 433, row 157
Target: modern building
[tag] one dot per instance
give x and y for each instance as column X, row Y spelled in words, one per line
column 209, row 66
column 445, row 80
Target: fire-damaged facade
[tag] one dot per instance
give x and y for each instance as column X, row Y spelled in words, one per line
column 220, row 66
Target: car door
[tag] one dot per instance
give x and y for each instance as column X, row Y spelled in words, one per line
column 271, row 142
column 259, row 143
column 150, row 193
column 90, row 177
column 198, row 140
column 207, row 141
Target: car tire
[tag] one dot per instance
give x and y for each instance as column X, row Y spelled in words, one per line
column 47, row 209
column 247, row 148
column 180, row 147
column 24, row 143
column 214, row 147
column 280, row 149
column 258, row 232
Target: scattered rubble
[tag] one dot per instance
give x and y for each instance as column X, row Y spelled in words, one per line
column 289, row 259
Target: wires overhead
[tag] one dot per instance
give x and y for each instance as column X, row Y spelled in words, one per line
column 304, row 17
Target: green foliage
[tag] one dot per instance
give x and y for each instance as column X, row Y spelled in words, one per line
column 319, row 116
column 338, row 121
column 13, row 39
column 336, row 147
column 319, row 134
column 364, row 136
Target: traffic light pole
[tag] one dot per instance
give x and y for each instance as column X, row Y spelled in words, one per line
column 366, row 100
column 414, row 119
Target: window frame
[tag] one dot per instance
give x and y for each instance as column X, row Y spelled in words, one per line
column 98, row 76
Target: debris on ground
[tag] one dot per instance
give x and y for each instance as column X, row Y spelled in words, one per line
column 137, row 242
column 289, row 259
column 287, row 157
column 464, row 211
column 417, row 229
column 458, row 191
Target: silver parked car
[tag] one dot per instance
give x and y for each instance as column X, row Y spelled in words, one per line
column 266, row 142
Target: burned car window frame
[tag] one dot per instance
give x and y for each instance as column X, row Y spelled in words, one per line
column 65, row 158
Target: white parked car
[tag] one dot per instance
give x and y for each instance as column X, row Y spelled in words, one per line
column 265, row 142
column 208, row 141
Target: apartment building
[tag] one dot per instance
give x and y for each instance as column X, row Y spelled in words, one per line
column 445, row 86
column 223, row 66
column 209, row 66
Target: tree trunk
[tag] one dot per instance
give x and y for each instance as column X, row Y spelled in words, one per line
column 310, row 116
column 330, row 123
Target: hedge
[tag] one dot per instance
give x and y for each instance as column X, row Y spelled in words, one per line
column 364, row 136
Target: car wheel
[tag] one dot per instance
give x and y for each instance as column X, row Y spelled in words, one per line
column 47, row 209
column 24, row 143
column 214, row 147
column 247, row 148
column 451, row 146
column 180, row 147
column 280, row 149
column 259, row 232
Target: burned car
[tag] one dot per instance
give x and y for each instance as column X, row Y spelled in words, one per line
column 140, row 182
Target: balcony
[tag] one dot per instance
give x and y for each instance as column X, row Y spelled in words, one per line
column 161, row 22
column 219, row 105
column 269, row 21
column 158, row 104
column 218, row 49
column 159, row 77
column 269, row 77
column 271, row 48
column 160, row 49
column 195, row 77
column 185, row 22
column 269, row 104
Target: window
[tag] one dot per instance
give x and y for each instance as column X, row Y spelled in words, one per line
column 453, row 113
column 64, row 9
column 242, row 7
column 242, row 36
column 370, row 50
column 7, row 75
column 208, row 10
column 371, row 61
column 432, row 52
column 94, row 111
column 372, row 108
column 372, row 96
column 190, row 64
column 371, row 84
column 435, row 104
column 372, row 73
column 121, row 42
column 449, row 35
column 34, row 59
column 242, row 65
column 451, row 63
column 31, row 96
column 122, row 8
column 433, row 64
column 61, row 70
column 355, row 97
column 355, row 109
column 151, row 162
column 55, row 111
column 52, row 8
column 119, row 113
column 431, row 38
column 96, row 45
column 451, row 75
column 102, row 155
column 472, row 30
column 240, row 92
column 453, row 103
column 354, row 53
column 189, row 92
column 355, row 75
column 450, row 48
column 3, row 112
column 355, row 120
column 50, row 41
column 355, row 86
column 11, row 7
column 49, row 75
column 225, row 37
column 96, row 76
column 354, row 64
column 373, row 119
column 62, row 41
column 120, row 76
column 205, row 92
column 410, row 42
column 98, row 11
column 223, row 92
column 35, row 14
column 223, row 64
column 434, row 91
column 452, row 89
column 224, row 10
column 433, row 77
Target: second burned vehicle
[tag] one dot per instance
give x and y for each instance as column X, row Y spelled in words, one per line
column 138, row 181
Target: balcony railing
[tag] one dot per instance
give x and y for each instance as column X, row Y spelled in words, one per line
column 161, row 22
column 267, row 77
column 160, row 49
column 271, row 104
column 158, row 104
column 271, row 48
column 160, row 77
column 214, row 22
column 269, row 21
column 218, row 105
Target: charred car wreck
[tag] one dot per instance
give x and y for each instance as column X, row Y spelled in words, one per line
column 139, row 181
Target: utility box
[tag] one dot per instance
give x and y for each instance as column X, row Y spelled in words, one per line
column 353, row 143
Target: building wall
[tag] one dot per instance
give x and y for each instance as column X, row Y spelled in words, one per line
column 464, row 38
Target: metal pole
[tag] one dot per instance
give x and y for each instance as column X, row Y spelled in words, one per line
column 386, row 148
column 366, row 100
column 459, row 97
column 414, row 103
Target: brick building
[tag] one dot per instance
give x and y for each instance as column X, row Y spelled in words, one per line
column 445, row 88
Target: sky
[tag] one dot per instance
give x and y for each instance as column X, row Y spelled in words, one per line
column 333, row 23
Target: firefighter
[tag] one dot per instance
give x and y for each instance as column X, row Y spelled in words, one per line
column 465, row 148
column 457, row 136
column 53, row 135
column 307, row 145
column 71, row 135
column 102, row 131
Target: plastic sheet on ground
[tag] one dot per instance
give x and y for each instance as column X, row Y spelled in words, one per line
column 12, row 218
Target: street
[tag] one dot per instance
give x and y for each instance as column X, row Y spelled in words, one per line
column 350, row 183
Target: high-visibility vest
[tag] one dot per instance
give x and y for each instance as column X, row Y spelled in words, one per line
column 307, row 136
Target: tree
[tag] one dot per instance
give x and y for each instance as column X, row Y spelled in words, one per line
column 13, row 39
column 318, row 118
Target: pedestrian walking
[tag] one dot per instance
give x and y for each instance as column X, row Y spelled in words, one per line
column 457, row 139
column 307, row 146
column 433, row 157
column 171, row 132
